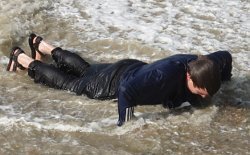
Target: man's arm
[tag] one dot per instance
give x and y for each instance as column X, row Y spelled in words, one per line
column 224, row 60
column 135, row 90
column 150, row 87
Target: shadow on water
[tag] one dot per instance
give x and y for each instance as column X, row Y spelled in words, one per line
column 235, row 93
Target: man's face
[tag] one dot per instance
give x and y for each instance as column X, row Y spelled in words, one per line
column 196, row 90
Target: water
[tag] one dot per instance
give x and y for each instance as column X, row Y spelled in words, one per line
column 37, row 120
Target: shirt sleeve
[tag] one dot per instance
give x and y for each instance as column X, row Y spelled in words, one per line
column 224, row 60
column 152, row 86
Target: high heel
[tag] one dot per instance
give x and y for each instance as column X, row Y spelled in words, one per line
column 34, row 46
column 13, row 58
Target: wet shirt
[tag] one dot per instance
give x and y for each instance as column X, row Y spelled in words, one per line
column 163, row 82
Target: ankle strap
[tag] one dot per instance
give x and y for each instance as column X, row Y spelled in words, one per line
column 37, row 42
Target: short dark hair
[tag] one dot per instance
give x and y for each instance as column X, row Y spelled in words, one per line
column 205, row 74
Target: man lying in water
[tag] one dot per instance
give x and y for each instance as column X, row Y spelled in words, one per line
column 169, row 81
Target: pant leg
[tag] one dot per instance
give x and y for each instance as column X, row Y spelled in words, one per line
column 69, row 62
column 53, row 77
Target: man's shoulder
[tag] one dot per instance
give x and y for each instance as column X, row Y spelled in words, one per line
column 184, row 58
column 178, row 61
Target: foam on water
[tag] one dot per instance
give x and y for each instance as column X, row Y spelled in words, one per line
column 12, row 119
column 4, row 60
column 147, row 22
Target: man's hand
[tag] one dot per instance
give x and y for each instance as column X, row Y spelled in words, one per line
column 125, row 115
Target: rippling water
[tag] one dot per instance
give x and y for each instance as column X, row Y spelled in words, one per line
column 37, row 120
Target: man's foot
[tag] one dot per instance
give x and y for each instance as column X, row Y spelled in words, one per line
column 39, row 47
column 13, row 63
column 34, row 42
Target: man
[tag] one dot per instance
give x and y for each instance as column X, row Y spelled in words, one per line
column 169, row 81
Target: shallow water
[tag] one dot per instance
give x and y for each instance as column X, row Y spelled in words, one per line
column 37, row 120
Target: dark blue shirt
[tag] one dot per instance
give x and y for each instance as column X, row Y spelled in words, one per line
column 164, row 82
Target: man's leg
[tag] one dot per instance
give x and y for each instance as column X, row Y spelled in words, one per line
column 53, row 77
column 66, row 61
column 69, row 62
column 50, row 76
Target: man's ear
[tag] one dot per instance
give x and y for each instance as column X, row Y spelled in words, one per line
column 188, row 76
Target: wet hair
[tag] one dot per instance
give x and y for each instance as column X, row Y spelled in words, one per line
column 205, row 74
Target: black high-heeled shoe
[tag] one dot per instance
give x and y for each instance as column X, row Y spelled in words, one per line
column 34, row 46
column 13, row 58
